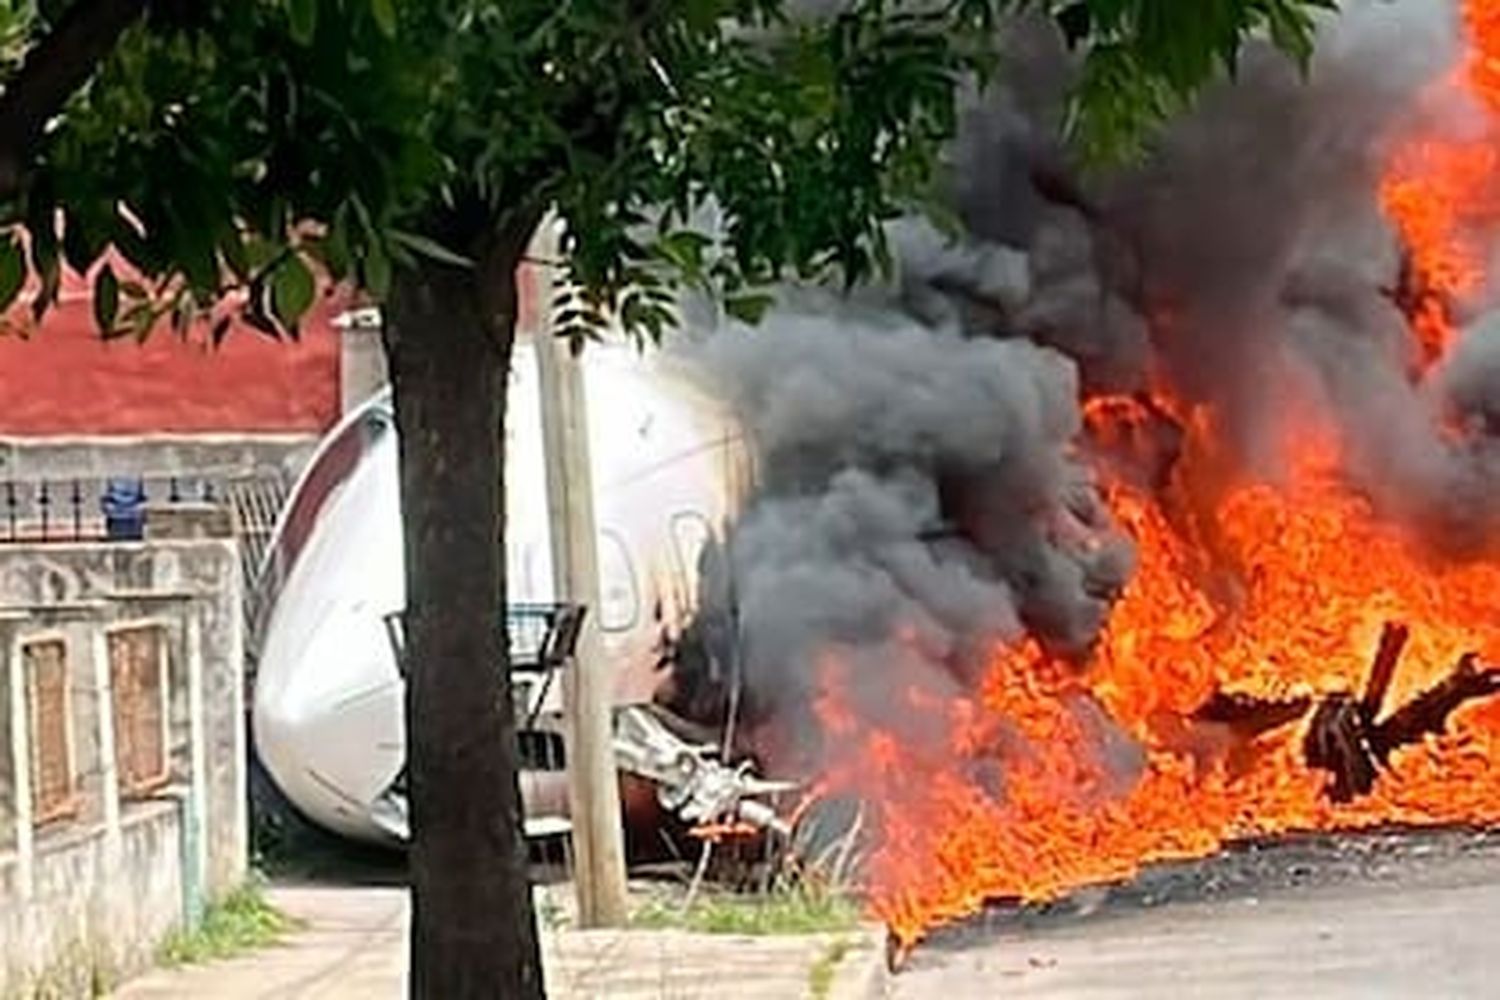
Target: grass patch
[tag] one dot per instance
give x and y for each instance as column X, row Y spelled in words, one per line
column 820, row 976
column 241, row 922
column 796, row 910
column 552, row 913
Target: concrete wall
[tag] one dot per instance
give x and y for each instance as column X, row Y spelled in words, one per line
column 87, row 899
column 362, row 366
column 98, row 907
column 154, row 457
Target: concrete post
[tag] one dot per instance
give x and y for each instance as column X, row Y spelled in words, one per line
column 362, row 363
column 195, row 848
column 20, row 750
column 234, row 656
column 109, row 768
column 588, row 691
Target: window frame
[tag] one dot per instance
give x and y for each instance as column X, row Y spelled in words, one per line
column 67, row 807
column 147, row 787
column 609, row 536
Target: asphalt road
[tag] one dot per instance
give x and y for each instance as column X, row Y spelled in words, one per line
column 1418, row 927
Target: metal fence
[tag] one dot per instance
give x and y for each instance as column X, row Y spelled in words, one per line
column 63, row 510
column 71, row 510
column 256, row 501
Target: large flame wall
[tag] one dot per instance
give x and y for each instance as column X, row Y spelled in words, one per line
column 1291, row 281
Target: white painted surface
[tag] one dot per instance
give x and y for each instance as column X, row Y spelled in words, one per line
column 668, row 467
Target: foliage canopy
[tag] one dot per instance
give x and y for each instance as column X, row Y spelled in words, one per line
column 238, row 146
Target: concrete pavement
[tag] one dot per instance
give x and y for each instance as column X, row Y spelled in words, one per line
column 1435, row 938
column 1373, row 918
column 353, row 947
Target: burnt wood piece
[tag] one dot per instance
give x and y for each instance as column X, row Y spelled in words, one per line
column 1343, row 740
column 1428, row 712
column 1343, row 737
column 1338, row 741
column 1392, row 642
column 1227, row 727
column 1249, row 717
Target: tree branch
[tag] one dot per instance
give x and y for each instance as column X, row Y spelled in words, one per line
column 53, row 71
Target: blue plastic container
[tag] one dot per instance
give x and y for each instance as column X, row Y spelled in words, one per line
column 124, row 506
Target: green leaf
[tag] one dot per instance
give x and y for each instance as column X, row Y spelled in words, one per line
column 377, row 271
column 430, row 248
column 749, row 308
column 304, row 15
column 12, row 271
column 79, row 249
column 335, row 247
column 184, row 312
column 140, row 318
column 292, row 290
column 260, row 252
column 106, row 299
column 234, row 254
column 303, row 20
column 1292, row 31
column 684, row 249
column 384, row 12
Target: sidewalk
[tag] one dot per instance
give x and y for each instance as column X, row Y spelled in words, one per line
column 353, row 946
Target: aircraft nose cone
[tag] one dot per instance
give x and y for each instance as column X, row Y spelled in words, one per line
column 328, row 720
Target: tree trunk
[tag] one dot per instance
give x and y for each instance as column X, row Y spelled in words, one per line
column 449, row 334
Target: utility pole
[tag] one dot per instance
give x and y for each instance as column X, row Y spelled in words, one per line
column 588, row 686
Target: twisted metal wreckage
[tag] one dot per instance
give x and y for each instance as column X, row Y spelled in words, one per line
column 690, row 779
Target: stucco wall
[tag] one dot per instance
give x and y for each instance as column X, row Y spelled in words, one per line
column 154, row 457
column 205, row 572
column 91, row 920
column 99, row 892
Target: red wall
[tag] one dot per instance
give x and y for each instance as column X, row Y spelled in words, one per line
column 63, row 379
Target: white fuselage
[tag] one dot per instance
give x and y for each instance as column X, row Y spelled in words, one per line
column 669, row 469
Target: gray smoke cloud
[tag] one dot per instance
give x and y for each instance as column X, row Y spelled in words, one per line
column 920, row 497
column 868, row 423
column 1246, row 264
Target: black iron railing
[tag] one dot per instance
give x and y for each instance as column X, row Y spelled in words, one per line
column 74, row 509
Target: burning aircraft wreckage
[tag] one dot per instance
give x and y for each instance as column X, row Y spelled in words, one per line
column 1154, row 513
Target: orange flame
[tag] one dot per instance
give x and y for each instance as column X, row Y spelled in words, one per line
column 1045, row 777
column 1022, row 801
column 1443, row 194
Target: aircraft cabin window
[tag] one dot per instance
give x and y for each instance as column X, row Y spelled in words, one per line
column 619, row 596
column 690, row 533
